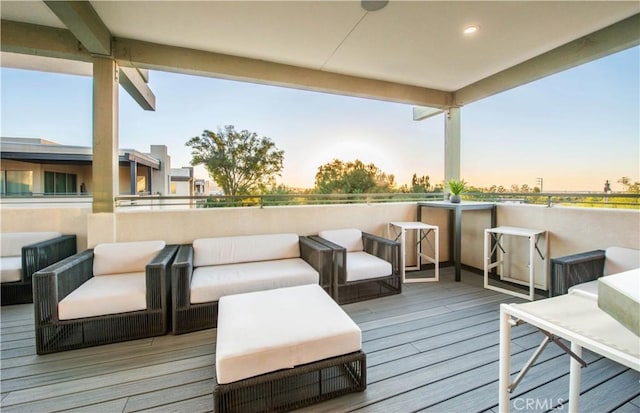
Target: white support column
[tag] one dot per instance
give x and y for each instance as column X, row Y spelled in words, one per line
column 452, row 144
column 105, row 134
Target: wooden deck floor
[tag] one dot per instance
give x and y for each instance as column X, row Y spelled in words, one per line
column 433, row 348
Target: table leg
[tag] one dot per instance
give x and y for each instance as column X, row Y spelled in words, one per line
column 504, row 361
column 457, row 256
column 574, row 379
column 403, row 264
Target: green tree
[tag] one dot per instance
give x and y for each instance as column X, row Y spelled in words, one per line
column 239, row 162
column 354, row 177
column 629, row 186
column 419, row 184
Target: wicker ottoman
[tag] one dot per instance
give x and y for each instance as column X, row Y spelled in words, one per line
column 283, row 349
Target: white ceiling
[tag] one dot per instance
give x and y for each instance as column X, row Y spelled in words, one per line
column 411, row 42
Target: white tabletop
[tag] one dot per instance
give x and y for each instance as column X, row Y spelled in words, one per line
column 578, row 318
column 412, row 225
column 523, row 232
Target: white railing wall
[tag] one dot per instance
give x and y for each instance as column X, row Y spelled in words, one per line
column 572, row 229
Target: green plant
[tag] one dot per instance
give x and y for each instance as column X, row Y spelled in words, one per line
column 456, row 186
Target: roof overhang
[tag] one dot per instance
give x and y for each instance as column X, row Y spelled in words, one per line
column 408, row 52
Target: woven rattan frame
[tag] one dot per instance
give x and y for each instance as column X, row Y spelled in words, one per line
column 344, row 292
column 575, row 269
column 55, row 282
column 36, row 257
column 290, row 389
column 189, row 317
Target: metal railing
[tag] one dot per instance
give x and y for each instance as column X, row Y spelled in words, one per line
column 583, row 199
column 549, row 199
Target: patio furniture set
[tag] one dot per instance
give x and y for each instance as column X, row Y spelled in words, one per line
column 283, row 341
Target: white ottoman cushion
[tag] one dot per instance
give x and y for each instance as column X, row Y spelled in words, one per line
column 266, row 331
column 10, row 269
column 106, row 294
column 362, row 266
column 212, row 282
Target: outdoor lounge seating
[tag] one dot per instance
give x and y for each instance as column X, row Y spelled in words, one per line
column 581, row 271
column 302, row 351
column 22, row 254
column 365, row 265
column 211, row 268
column 114, row 292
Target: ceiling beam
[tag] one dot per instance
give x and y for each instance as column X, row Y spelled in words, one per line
column 134, row 83
column 611, row 39
column 85, row 24
column 198, row 62
column 38, row 40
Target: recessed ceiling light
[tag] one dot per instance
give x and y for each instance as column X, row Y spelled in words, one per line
column 373, row 5
column 471, row 29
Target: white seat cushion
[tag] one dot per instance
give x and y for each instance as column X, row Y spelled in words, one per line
column 362, row 266
column 212, row 282
column 245, row 248
column 267, row 331
column 124, row 257
column 106, row 294
column 351, row 239
column 11, row 243
column 588, row 289
column 10, row 269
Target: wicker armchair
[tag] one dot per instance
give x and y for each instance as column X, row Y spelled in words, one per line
column 105, row 322
column 581, row 271
column 362, row 277
column 189, row 316
column 33, row 251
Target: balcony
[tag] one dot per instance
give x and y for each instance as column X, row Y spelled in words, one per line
column 433, row 347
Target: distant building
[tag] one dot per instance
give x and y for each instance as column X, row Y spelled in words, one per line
column 182, row 181
column 37, row 166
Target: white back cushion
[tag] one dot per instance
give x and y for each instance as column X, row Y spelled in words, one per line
column 124, row 257
column 350, row 238
column 619, row 259
column 11, row 243
column 245, row 248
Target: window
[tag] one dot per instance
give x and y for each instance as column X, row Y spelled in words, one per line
column 173, row 188
column 60, row 183
column 141, row 184
column 17, row 182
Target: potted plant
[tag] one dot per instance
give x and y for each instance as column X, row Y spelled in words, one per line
column 456, row 187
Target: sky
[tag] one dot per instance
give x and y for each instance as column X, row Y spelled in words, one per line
column 574, row 129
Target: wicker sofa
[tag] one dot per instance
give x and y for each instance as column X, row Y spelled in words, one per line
column 366, row 266
column 114, row 292
column 211, row 268
column 22, row 254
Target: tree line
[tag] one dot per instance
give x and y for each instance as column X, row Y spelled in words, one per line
column 241, row 164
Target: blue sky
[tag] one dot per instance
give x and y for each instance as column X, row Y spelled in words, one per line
column 575, row 129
